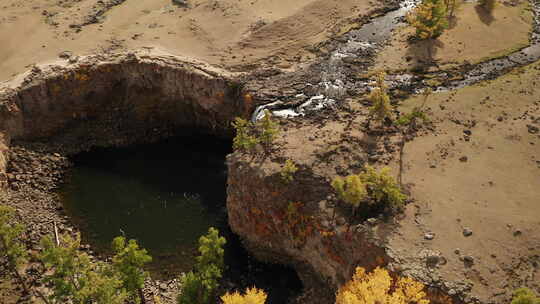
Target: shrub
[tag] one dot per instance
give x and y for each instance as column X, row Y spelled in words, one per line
column 10, row 245
column 74, row 278
column 525, row 296
column 252, row 296
column 380, row 100
column 287, row 173
column 382, row 187
column 350, row 189
column 379, row 287
column 199, row 286
column 128, row 261
column 192, row 290
column 418, row 113
column 244, row 139
column 429, row 19
column 267, row 129
column 412, row 118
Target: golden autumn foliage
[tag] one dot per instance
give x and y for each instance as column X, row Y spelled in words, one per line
column 429, row 18
column 380, row 100
column 252, row 296
column 378, row 287
column 350, row 189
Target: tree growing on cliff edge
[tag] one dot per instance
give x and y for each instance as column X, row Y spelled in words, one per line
column 382, row 187
column 199, row 286
column 244, row 139
column 350, row 190
column 379, row 186
column 267, row 129
column 379, row 287
column 10, row 245
column 288, row 171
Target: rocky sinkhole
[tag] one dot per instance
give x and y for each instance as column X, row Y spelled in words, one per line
column 129, row 145
column 166, row 195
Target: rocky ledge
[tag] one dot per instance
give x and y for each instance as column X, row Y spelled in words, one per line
column 117, row 99
column 302, row 223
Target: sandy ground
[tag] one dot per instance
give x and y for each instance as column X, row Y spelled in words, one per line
column 495, row 191
column 473, row 37
column 237, row 33
column 488, row 181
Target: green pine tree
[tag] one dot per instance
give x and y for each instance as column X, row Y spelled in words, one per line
column 382, row 187
column 128, row 261
column 268, row 129
column 74, row 278
column 244, row 139
column 199, row 286
column 350, row 190
column 10, row 246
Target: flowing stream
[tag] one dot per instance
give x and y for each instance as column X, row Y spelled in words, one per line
column 371, row 37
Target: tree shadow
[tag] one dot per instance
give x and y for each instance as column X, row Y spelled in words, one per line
column 452, row 22
column 485, row 15
column 422, row 53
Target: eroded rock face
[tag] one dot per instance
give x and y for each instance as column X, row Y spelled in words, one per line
column 117, row 100
column 3, row 160
column 290, row 224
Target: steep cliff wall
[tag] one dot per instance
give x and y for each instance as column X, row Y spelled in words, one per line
column 293, row 224
column 3, row 161
column 118, row 99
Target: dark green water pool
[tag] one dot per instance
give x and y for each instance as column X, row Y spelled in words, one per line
column 166, row 195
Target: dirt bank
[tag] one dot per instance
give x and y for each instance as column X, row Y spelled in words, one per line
column 240, row 34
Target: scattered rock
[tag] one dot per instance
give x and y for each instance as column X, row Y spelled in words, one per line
column 65, row 54
column 463, row 159
column 467, row 132
column 469, row 260
column 432, row 260
column 467, row 231
column 533, row 129
column 517, row 232
column 180, row 2
column 429, row 236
